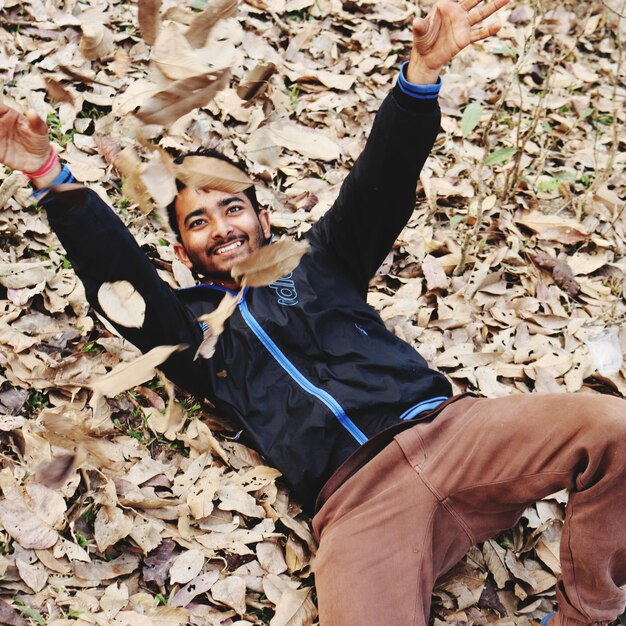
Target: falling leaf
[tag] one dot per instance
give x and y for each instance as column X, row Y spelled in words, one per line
column 56, row 472
column 148, row 14
column 255, row 81
column 166, row 106
column 215, row 321
column 57, row 92
column 97, row 41
column 158, row 179
column 173, row 56
column 108, row 148
column 471, row 116
column 129, row 166
column 122, row 303
column 202, row 24
column 127, row 375
column 269, row 263
column 201, row 172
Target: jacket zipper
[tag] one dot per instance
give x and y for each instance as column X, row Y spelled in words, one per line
column 307, row 385
column 426, row 405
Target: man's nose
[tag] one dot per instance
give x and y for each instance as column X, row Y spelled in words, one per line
column 222, row 229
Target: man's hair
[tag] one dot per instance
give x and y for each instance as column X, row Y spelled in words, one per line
column 215, row 154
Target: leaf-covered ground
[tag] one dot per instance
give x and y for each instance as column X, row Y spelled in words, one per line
column 145, row 507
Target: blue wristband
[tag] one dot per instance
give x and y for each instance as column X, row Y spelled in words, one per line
column 65, row 176
column 421, row 92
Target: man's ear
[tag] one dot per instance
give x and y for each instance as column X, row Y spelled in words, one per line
column 264, row 220
column 182, row 255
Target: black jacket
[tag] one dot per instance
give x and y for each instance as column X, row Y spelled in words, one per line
column 305, row 365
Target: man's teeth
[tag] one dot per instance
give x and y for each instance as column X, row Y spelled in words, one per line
column 229, row 247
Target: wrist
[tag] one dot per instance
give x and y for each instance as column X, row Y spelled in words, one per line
column 420, row 74
column 47, row 171
column 39, row 182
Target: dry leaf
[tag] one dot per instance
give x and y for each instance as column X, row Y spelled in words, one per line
column 202, row 24
column 561, row 272
column 122, row 303
column 295, row 608
column 211, row 173
column 129, row 166
column 101, row 570
column 114, row 599
column 554, row 228
column 231, row 591
column 126, row 375
column 270, row 263
column 21, row 523
column 57, row 92
column 215, row 321
column 255, row 81
column 159, row 180
column 55, row 473
column 174, row 57
column 97, row 41
column 200, row 584
column 186, row 566
column 303, row 140
column 9, row 616
column 149, row 19
column 185, row 95
column 111, row 526
column 108, row 148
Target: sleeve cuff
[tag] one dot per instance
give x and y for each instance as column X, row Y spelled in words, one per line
column 65, row 176
column 420, row 92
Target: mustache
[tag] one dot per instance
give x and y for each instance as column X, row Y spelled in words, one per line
column 231, row 239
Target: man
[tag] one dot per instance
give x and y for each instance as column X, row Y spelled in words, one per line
column 409, row 477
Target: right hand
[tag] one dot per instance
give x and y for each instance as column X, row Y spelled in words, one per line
column 24, row 143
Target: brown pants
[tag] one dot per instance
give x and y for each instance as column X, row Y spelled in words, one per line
column 413, row 511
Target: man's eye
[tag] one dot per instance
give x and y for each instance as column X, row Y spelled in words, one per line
column 234, row 209
column 195, row 223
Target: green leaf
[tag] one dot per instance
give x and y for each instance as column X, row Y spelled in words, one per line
column 455, row 219
column 32, row 613
column 505, row 50
column 585, row 114
column 471, row 117
column 502, row 155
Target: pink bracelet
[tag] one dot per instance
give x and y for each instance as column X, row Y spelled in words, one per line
column 46, row 168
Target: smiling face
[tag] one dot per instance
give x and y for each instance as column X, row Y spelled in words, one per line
column 218, row 230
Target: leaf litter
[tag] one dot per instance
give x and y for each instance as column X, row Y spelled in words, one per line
column 509, row 278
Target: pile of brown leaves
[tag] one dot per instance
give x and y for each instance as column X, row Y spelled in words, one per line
column 138, row 506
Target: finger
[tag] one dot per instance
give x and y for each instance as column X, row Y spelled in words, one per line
column 483, row 32
column 420, row 27
column 36, row 124
column 468, row 5
column 482, row 13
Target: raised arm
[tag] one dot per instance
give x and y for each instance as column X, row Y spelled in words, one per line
column 100, row 247
column 378, row 196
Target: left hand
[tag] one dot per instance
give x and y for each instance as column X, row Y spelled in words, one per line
column 448, row 28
